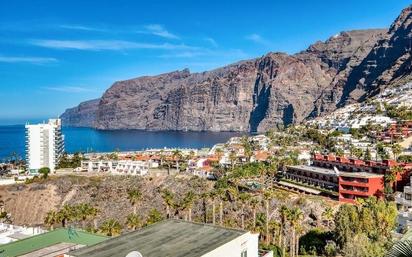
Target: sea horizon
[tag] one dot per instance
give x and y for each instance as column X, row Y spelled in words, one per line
column 84, row 139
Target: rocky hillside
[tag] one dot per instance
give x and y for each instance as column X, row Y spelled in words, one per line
column 255, row 95
column 28, row 204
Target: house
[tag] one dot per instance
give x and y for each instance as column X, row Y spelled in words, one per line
column 178, row 238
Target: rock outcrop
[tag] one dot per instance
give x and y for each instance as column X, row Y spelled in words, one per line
column 255, row 95
column 83, row 115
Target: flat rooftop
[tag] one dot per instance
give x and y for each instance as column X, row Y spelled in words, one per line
column 48, row 241
column 359, row 174
column 165, row 238
column 315, row 169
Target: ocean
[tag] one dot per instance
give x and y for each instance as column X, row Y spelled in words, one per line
column 12, row 139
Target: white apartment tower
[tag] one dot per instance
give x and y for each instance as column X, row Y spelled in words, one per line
column 44, row 145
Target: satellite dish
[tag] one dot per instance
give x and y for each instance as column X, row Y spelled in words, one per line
column 134, row 254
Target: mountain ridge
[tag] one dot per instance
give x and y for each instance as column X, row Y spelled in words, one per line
column 254, row 95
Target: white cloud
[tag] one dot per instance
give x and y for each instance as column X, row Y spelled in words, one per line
column 81, row 27
column 32, row 60
column 158, row 30
column 258, row 39
column 96, row 45
column 69, row 89
column 211, row 41
column 231, row 53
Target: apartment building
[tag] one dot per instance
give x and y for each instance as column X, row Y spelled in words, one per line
column 120, row 167
column 350, row 178
column 404, row 204
column 44, row 145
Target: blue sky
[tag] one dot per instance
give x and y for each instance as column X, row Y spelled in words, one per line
column 54, row 55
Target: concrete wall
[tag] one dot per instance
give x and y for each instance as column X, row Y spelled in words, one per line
column 247, row 242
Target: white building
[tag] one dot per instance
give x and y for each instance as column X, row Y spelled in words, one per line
column 404, row 203
column 122, row 167
column 10, row 233
column 44, row 145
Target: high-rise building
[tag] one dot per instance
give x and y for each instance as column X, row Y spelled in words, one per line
column 44, row 145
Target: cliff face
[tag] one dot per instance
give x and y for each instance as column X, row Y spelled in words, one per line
column 255, row 95
column 83, row 115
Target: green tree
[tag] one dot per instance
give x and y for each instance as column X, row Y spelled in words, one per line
column 367, row 155
column 153, row 217
column 177, row 156
column 51, row 219
column 168, row 200
column 247, row 147
column 133, row 221
column 111, row 227
column 375, row 218
column 187, row 204
column 44, row 172
column 134, row 196
column 84, row 211
column 328, row 215
column 244, row 199
column 396, row 150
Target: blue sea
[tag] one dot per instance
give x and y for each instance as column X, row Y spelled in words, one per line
column 12, row 139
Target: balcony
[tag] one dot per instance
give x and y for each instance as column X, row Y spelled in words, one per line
column 402, row 201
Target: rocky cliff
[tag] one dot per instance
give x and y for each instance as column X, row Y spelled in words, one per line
column 255, row 95
column 83, row 115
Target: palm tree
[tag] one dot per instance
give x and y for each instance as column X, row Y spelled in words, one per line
column 134, row 196
column 247, row 146
column 84, row 211
column 111, row 227
column 267, row 196
column 294, row 217
column 284, row 213
column 221, row 193
column 188, row 203
column 232, row 159
column 168, row 199
column 396, row 150
column 244, row 198
column 212, row 195
column 133, row 221
column 219, row 153
column 253, row 203
column 67, row 214
column 177, row 155
column 161, row 157
column 93, row 214
column 328, row 215
column 52, row 218
column 394, row 171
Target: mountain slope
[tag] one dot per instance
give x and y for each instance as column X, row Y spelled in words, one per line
column 255, row 95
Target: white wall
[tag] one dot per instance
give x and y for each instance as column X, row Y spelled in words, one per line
column 234, row 248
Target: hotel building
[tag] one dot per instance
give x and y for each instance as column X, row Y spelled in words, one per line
column 44, row 145
column 350, row 178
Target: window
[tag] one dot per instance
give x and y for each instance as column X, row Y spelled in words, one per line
column 244, row 253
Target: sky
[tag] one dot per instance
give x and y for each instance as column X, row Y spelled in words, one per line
column 55, row 54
